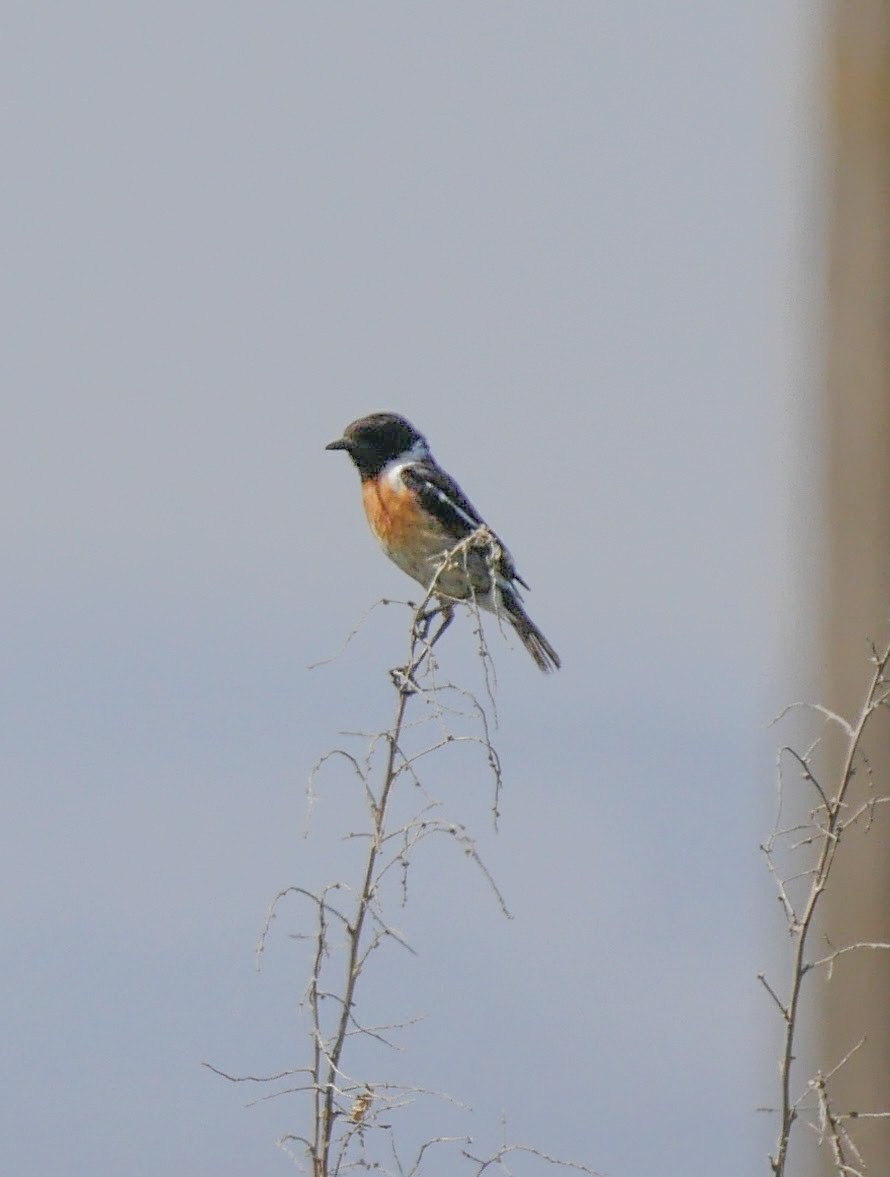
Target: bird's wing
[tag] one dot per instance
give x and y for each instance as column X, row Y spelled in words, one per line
column 440, row 495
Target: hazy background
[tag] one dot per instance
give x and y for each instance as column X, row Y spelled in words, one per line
column 572, row 243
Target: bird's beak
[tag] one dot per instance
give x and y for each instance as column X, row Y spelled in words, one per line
column 340, row 444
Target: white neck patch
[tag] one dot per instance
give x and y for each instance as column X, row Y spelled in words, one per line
column 418, row 452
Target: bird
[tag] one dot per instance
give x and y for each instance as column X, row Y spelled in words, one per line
column 419, row 514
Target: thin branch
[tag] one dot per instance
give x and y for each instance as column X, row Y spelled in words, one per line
column 826, row 835
column 350, row 1115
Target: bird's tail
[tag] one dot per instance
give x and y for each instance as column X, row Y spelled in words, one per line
column 531, row 637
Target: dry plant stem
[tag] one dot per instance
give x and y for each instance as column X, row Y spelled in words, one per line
column 338, row 1130
column 801, row 926
column 324, row 1121
column 329, row 1060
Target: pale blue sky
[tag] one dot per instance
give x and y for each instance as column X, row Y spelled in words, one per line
column 570, row 242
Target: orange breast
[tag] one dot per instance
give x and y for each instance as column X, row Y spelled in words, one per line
column 409, row 536
column 392, row 512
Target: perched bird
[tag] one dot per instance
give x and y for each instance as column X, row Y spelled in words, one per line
column 418, row 514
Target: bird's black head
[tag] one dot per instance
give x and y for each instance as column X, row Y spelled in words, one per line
column 375, row 440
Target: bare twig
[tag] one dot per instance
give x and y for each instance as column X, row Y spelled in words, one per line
column 822, row 835
column 351, row 1117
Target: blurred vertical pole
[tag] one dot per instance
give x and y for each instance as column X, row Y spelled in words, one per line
column 856, row 1002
